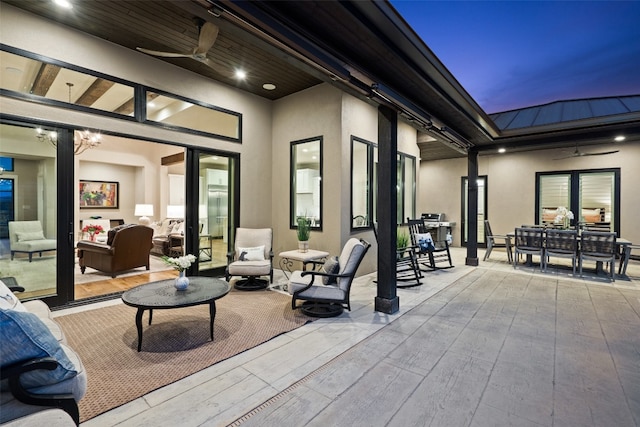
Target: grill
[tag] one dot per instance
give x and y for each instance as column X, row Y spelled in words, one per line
column 439, row 228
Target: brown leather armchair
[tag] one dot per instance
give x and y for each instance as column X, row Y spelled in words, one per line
column 127, row 247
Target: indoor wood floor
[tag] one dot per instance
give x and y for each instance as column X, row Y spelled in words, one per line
column 104, row 287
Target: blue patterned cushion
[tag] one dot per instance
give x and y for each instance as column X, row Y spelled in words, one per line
column 24, row 336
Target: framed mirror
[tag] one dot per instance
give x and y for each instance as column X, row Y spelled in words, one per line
column 306, row 182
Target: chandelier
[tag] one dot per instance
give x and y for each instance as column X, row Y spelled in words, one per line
column 82, row 141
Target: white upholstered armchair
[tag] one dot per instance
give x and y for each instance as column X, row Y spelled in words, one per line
column 251, row 258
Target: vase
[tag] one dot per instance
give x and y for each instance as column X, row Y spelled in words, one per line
column 182, row 282
column 92, row 237
column 303, row 245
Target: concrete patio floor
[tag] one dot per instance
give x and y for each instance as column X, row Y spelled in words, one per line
column 486, row 346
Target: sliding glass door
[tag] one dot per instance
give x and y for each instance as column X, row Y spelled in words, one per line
column 217, row 202
column 28, row 209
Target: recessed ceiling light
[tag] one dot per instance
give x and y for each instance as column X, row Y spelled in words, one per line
column 619, row 138
column 240, row 74
column 501, row 150
column 268, row 86
column 63, row 3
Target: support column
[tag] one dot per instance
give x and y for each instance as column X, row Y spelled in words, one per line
column 387, row 300
column 472, row 207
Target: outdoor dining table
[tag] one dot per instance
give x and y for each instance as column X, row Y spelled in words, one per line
column 621, row 244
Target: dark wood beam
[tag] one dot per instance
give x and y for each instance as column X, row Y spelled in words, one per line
column 172, row 159
column 97, row 89
column 44, row 79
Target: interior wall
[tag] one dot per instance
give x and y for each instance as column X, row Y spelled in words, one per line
column 511, row 185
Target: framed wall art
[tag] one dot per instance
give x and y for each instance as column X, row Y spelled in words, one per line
column 99, row 194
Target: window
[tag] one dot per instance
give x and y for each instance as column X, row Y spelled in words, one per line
column 592, row 195
column 306, row 182
column 364, row 181
column 406, row 187
column 186, row 114
column 44, row 80
column 6, row 164
column 51, row 82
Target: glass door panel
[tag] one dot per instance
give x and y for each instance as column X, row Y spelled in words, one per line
column 482, row 204
column 28, row 211
column 596, row 205
column 215, row 209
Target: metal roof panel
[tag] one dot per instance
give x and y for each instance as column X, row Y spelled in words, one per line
column 607, row 107
column 550, row 113
column 576, row 110
column 524, row 118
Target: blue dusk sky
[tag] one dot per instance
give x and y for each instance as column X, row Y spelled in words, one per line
column 515, row 54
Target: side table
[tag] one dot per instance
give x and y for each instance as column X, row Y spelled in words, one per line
column 287, row 258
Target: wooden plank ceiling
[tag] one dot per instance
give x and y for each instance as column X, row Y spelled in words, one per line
column 163, row 26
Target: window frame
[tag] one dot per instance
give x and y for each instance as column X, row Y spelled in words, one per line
column 293, row 181
column 139, row 97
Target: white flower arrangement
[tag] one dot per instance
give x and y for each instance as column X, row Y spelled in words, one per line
column 180, row 263
column 563, row 216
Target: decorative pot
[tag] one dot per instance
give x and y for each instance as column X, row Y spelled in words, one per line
column 303, row 245
column 182, row 282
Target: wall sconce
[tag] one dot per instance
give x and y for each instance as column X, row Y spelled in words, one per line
column 144, row 211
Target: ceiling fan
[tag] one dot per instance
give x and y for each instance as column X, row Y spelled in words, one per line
column 578, row 153
column 206, row 39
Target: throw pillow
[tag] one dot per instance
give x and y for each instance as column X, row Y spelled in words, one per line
column 26, row 337
column 251, row 254
column 331, row 266
column 425, row 242
column 25, row 236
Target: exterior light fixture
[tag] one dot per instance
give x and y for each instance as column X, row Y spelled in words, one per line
column 240, row 74
column 502, row 150
column 619, row 138
column 63, row 3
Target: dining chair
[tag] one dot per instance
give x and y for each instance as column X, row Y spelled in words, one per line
column 600, row 247
column 561, row 244
column 491, row 238
column 528, row 241
column 624, row 259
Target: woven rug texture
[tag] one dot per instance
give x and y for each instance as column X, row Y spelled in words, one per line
column 174, row 346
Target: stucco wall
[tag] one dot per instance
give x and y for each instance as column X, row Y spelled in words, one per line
column 311, row 113
column 65, row 44
column 511, row 185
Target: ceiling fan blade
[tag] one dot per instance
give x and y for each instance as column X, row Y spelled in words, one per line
column 165, row 54
column 601, row 153
column 208, row 35
column 220, row 69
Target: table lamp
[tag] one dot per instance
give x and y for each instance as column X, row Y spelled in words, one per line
column 175, row 211
column 144, row 211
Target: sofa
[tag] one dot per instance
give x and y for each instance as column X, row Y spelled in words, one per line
column 39, row 370
column 163, row 232
column 28, row 237
column 127, row 247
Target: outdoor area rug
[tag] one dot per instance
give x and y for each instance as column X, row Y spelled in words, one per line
column 174, row 346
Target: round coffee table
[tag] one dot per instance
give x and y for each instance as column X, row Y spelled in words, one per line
column 163, row 295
